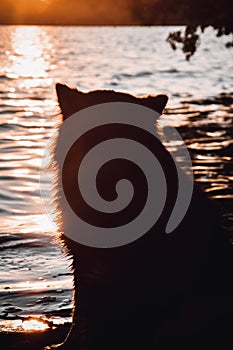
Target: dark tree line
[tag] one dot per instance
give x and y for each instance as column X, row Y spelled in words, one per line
column 196, row 15
column 200, row 15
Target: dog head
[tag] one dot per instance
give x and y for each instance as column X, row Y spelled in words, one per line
column 72, row 100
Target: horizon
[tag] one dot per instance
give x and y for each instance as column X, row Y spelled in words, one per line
column 122, row 13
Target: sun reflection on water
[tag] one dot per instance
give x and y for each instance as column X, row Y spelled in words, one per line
column 28, row 325
column 29, row 56
column 34, row 325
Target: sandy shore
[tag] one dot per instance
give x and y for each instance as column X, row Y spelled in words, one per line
column 218, row 333
column 33, row 340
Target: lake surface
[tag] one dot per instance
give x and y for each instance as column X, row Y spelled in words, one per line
column 35, row 278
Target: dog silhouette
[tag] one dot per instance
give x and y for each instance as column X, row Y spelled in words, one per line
column 160, row 285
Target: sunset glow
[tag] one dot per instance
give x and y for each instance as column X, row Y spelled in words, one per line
column 116, row 182
column 34, row 325
column 27, row 53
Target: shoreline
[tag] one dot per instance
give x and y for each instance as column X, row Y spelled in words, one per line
column 36, row 340
column 215, row 333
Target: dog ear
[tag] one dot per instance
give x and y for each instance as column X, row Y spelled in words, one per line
column 157, row 103
column 69, row 99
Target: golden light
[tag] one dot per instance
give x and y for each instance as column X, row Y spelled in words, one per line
column 29, row 55
column 34, row 325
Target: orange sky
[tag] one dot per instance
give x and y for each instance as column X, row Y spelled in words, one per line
column 60, row 11
column 115, row 12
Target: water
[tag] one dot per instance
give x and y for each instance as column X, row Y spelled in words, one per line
column 35, row 279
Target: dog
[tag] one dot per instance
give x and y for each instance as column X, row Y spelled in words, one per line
column 160, row 285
